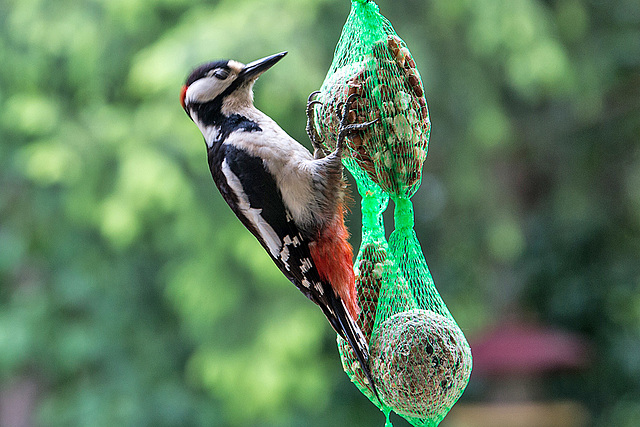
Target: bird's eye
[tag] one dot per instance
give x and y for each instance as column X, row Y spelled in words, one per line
column 220, row 73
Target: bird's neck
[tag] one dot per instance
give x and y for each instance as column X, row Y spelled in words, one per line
column 216, row 126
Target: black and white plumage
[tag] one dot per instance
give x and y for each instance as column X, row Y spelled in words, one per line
column 291, row 201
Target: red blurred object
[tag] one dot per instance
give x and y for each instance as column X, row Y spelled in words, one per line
column 519, row 348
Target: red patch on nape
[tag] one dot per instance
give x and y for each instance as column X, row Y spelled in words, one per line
column 333, row 257
column 183, row 95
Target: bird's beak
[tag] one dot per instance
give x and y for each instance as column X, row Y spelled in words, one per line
column 255, row 68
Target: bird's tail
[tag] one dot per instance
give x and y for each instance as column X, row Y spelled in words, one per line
column 348, row 329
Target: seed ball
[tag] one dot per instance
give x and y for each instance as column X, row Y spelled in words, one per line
column 421, row 363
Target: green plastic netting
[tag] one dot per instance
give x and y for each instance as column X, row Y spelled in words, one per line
column 419, row 357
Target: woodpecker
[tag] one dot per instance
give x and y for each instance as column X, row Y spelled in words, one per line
column 290, row 200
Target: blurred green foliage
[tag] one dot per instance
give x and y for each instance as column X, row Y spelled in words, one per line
column 131, row 295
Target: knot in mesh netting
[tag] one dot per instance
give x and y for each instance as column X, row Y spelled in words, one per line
column 419, row 357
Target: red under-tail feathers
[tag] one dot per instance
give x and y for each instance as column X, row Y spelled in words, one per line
column 333, row 257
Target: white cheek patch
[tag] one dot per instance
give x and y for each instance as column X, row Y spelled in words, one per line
column 206, row 89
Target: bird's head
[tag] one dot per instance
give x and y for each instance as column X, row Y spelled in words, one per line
column 226, row 86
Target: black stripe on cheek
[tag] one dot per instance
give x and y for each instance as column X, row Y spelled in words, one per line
column 209, row 114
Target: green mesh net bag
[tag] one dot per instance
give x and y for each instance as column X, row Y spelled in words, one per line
column 372, row 62
column 419, row 357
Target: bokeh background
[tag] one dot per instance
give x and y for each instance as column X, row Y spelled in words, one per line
column 131, row 296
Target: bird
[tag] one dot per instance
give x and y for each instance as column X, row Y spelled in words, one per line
column 291, row 200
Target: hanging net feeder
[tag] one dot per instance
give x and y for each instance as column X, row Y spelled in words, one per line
column 419, row 357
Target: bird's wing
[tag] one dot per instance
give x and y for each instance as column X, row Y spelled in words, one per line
column 258, row 205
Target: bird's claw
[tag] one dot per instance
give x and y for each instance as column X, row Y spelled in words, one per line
column 314, row 137
column 346, row 128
